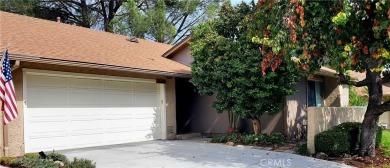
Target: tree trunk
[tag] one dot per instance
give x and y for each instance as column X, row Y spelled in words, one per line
column 370, row 122
column 256, row 126
column 368, row 136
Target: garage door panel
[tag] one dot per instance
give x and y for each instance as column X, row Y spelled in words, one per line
column 141, row 86
column 125, row 124
column 53, row 142
column 144, row 100
column 86, row 126
column 91, row 97
column 117, row 85
column 43, row 128
column 47, row 81
column 47, row 113
column 47, row 97
column 86, row 83
column 84, row 112
column 117, row 98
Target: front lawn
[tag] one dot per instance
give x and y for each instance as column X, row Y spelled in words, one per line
column 386, row 142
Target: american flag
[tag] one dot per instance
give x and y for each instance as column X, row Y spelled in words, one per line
column 7, row 91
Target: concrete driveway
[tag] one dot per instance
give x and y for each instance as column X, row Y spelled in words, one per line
column 191, row 154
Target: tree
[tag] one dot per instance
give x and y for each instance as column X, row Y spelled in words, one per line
column 164, row 21
column 227, row 63
column 345, row 34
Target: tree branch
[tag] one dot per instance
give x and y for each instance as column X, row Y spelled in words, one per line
column 385, row 107
column 346, row 80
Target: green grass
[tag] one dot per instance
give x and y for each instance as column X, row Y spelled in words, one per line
column 386, row 142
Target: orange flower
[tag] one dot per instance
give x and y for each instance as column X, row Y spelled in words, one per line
column 310, row 76
column 365, row 49
column 339, row 42
column 343, row 64
column 375, row 55
column 305, row 67
column 388, row 31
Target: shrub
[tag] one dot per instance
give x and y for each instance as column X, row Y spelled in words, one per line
column 24, row 162
column 274, row 138
column 332, row 142
column 7, row 161
column 219, row 139
column 82, row 163
column 248, row 139
column 32, row 155
column 55, row 156
column 235, row 137
column 343, row 138
column 302, row 149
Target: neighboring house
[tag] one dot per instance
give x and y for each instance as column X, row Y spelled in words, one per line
column 197, row 115
column 78, row 87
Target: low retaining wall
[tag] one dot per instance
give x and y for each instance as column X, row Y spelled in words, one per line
column 320, row 119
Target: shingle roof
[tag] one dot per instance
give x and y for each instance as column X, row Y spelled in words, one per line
column 45, row 39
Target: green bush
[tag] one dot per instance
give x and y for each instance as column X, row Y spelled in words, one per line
column 302, row 149
column 343, row 138
column 274, row 138
column 82, row 163
column 219, row 139
column 24, row 162
column 332, row 142
column 7, row 161
column 249, row 139
column 55, row 156
column 32, row 155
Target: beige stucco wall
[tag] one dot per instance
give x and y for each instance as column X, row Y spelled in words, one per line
column 295, row 110
column 13, row 132
column 170, row 108
column 14, row 135
column 323, row 118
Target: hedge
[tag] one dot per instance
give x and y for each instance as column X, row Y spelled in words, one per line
column 343, row 138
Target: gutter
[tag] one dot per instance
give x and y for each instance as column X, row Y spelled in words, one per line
column 37, row 59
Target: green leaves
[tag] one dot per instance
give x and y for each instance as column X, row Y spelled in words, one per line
column 227, row 63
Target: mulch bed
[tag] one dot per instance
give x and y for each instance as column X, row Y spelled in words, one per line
column 380, row 161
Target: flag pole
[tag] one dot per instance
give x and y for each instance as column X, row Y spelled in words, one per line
column 2, row 103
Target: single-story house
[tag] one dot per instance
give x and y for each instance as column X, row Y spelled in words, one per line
column 197, row 115
column 77, row 87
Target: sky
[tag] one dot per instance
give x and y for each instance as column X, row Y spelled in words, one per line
column 235, row 2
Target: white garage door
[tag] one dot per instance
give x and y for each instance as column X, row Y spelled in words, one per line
column 65, row 111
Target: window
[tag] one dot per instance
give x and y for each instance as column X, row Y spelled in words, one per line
column 315, row 94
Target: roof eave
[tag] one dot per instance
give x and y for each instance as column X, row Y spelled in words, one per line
column 176, row 47
column 37, row 59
